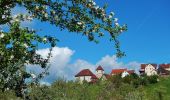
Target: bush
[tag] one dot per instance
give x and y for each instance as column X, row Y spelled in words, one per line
column 7, row 95
column 153, row 79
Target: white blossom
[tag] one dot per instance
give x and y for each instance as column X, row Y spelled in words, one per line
column 15, row 16
column 89, row 4
column 102, row 9
column 112, row 13
column 115, row 19
column 90, row 0
column 7, row 88
column 56, row 18
column 45, row 39
column 33, row 76
column 94, row 3
column 117, row 24
column 32, row 30
column 84, row 26
column 20, row 73
column 7, row 6
column 3, row 16
column 36, row 7
column 16, row 20
column 27, row 61
column 11, row 57
column 121, row 31
column 103, row 14
column 44, row 7
column 97, row 7
column 25, row 45
column 53, row 12
column 2, row 35
column 29, row 18
column 110, row 16
column 46, row 15
column 79, row 23
column 43, row 12
column 104, row 19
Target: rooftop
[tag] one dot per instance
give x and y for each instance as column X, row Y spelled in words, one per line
column 84, row 72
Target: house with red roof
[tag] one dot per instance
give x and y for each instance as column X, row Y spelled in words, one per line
column 123, row 72
column 117, row 71
column 148, row 69
column 99, row 71
column 131, row 71
column 101, row 74
column 87, row 75
column 164, row 69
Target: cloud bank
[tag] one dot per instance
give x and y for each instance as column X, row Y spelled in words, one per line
column 61, row 65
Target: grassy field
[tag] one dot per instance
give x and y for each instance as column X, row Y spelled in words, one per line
column 158, row 91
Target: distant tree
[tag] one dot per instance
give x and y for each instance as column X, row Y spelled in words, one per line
column 18, row 44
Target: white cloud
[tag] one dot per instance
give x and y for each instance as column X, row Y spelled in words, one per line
column 58, row 62
column 61, row 66
column 78, row 65
column 111, row 62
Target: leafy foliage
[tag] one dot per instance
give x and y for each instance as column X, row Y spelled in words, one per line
column 103, row 90
column 18, row 45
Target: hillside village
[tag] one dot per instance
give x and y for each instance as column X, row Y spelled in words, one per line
column 145, row 69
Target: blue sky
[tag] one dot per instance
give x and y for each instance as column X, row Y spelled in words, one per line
column 146, row 41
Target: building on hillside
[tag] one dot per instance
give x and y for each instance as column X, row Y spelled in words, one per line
column 87, row 75
column 93, row 79
column 117, row 71
column 127, row 72
column 164, row 69
column 101, row 74
column 131, row 71
column 122, row 72
column 99, row 71
column 148, row 69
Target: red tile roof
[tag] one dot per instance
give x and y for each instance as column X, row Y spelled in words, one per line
column 131, row 71
column 164, row 65
column 84, row 72
column 107, row 76
column 144, row 65
column 94, row 77
column 118, row 71
column 99, row 68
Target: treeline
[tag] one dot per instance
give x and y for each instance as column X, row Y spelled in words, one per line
column 131, row 87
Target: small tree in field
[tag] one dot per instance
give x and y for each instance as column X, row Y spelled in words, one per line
column 18, row 44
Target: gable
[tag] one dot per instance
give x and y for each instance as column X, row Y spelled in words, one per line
column 150, row 67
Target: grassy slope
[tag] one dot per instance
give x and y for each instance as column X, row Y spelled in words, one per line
column 163, row 86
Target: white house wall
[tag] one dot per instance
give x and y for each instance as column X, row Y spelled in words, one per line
column 82, row 78
column 168, row 69
column 150, row 70
column 99, row 73
column 125, row 73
